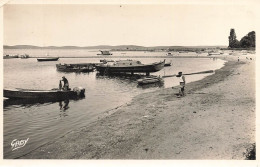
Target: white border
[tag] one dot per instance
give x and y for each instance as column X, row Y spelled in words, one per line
column 254, row 4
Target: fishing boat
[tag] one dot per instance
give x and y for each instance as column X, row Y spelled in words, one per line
column 105, row 52
column 48, row 59
column 18, row 93
column 10, row 57
column 84, row 67
column 129, row 66
column 149, row 80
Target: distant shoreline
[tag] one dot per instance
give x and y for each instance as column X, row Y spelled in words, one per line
column 109, row 57
column 117, row 47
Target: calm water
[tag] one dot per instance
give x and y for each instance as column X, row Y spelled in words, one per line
column 43, row 123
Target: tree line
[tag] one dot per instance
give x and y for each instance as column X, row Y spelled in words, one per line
column 247, row 41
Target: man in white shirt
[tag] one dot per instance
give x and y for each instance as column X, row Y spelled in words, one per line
column 182, row 83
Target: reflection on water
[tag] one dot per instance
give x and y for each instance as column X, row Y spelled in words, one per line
column 43, row 121
column 64, row 105
column 26, row 103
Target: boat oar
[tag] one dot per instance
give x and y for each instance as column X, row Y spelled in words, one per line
column 202, row 72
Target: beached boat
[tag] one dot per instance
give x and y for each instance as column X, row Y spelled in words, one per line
column 214, row 53
column 48, row 59
column 43, row 94
column 149, row 80
column 169, row 54
column 167, row 64
column 105, row 52
column 129, row 66
column 25, row 56
column 106, row 60
column 10, row 57
column 84, row 67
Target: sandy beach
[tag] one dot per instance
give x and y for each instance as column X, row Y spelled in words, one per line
column 215, row 120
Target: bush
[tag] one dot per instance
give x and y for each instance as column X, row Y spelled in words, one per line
column 250, row 153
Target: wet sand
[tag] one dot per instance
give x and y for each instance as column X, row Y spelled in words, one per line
column 215, row 120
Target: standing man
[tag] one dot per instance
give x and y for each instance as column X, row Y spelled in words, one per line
column 182, row 84
column 66, row 83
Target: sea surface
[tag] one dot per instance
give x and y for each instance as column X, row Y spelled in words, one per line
column 46, row 122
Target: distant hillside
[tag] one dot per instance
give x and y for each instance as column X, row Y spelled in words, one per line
column 21, row 47
column 71, row 47
column 118, row 47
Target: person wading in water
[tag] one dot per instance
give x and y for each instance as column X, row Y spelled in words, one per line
column 182, row 84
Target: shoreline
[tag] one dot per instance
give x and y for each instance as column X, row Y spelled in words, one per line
column 157, row 125
column 109, row 57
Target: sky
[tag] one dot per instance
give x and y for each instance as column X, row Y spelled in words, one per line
column 126, row 24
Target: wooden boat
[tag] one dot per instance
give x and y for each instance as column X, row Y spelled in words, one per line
column 25, row 56
column 105, row 52
column 169, row 54
column 149, row 80
column 106, row 60
column 10, row 57
column 43, row 94
column 48, row 59
column 84, row 67
column 167, row 64
column 215, row 53
column 129, row 66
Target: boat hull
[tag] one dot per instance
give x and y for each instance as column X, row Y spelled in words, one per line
column 75, row 67
column 167, row 64
column 42, row 94
column 10, row 57
column 149, row 80
column 104, row 54
column 48, row 59
column 104, row 68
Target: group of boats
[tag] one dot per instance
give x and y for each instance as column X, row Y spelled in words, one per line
column 105, row 67
column 24, row 56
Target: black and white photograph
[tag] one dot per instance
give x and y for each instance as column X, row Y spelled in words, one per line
column 129, row 80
